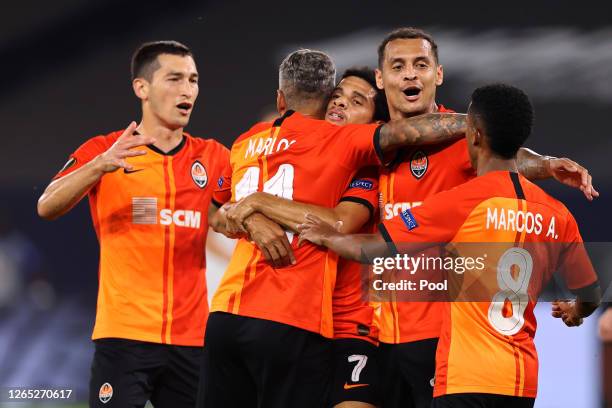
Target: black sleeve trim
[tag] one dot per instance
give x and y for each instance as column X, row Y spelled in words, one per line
column 586, row 290
column 377, row 148
column 387, row 238
column 215, row 203
column 361, row 201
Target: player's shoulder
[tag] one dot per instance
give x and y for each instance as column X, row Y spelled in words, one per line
column 535, row 194
column 101, row 142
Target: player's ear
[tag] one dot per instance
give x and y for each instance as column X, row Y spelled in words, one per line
column 379, row 79
column 281, row 102
column 478, row 137
column 141, row 88
column 439, row 75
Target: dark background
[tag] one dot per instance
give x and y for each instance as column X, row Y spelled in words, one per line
column 64, row 77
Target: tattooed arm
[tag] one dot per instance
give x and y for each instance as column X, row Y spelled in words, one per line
column 430, row 128
column 535, row 167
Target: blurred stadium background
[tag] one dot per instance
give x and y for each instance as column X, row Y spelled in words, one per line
column 64, row 77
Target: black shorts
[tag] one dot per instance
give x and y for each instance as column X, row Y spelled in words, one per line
column 407, row 373
column 355, row 372
column 127, row 373
column 475, row 400
column 252, row 362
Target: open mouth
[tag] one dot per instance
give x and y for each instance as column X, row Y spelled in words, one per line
column 412, row 93
column 184, row 107
column 336, row 115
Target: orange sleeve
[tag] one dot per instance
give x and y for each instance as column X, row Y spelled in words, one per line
column 576, row 267
column 223, row 189
column 355, row 145
column 83, row 155
column 363, row 189
column 437, row 220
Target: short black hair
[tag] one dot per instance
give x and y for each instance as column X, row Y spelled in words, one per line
column 144, row 60
column 406, row 33
column 507, row 116
column 381, row 110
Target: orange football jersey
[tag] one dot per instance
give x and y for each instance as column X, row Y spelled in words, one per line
column 522, row 236
column 151, row 223
column 353, row 315
column 415, row 174
column 310, row 161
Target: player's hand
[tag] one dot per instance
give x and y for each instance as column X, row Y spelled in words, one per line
column 271, row 240
column 237, row 213
column 605, row 325
column 574, row 175
column 114, row 157
column 315, row 230
column 566, row 310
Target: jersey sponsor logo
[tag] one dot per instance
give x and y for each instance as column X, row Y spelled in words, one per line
column 418, row 164
column 198, row 174
column 106, row 393
column 408, row 219
column 351, row 386
column 363, row 184
column 144, row 212
column 391, row 210
column 71, row 162
column 181, row 218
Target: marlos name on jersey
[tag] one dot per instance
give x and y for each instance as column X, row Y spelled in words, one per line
column 266, row 146
column 506, row 219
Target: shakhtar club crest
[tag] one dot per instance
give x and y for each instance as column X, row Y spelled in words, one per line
column 198, row 174
column 418, row 164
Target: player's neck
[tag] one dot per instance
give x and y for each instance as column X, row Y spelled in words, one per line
column 489, row 163
column 311, row 110
column 166, row 139
column 396, row 114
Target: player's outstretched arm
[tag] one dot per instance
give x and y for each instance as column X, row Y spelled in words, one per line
column 64, row 193
column 347, row 215
column 425, row 129
column 535, row 167
column 355, row 247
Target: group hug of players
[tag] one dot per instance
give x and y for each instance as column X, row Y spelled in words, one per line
column 369, row 162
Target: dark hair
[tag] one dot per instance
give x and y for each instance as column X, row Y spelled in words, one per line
column 507, row 116
column 381, row 110
column 306, row 74
column 406, row 33
column 144, row 60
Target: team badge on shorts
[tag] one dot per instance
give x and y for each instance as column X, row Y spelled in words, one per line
column 418, row 164
column 198, row 174
column 106, row 393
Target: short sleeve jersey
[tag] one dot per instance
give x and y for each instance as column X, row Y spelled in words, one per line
column 416, row 174
column 353, row 315
column 486, row 346
column 151, row 223
column 310, row 161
